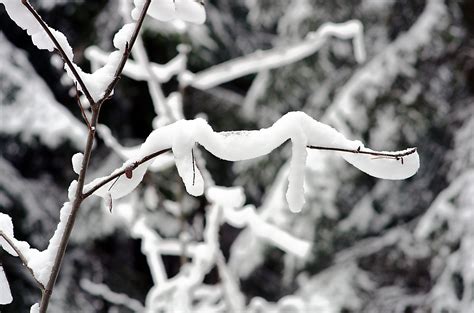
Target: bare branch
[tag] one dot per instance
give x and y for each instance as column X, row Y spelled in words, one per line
column 390, row 155
column 63, row 54
column 78, row 100
column 22, row 258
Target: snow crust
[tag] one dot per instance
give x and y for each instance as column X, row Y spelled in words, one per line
column 5, row 292
column 298, row 127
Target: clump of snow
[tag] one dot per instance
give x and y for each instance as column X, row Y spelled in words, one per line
column 5, row 294
column 385, row 167
column 71, row 191
column 123, row 36
column 77, row 162
column 167, row 10
column 191, row 11
column 226, row 197
column 301, row 129
column 35, row 308
column 6, row 227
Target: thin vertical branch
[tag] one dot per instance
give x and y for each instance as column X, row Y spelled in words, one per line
column 47, row 292
column 83, row 113
column 126, row 53
column 79, row 196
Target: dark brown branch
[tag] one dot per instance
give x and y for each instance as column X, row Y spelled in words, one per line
column 391, row 155
column 133, row 166
column 72, row 217
column 83, row 113
column 22, row 258
column 126, row 54
column 61, row 51
column 194, row 166
column 95, row 106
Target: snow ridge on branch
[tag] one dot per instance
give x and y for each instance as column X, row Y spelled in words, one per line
column 303, row 131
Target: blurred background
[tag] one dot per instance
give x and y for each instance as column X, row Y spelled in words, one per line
column 377, row 246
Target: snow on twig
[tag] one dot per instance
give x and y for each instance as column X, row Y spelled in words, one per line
column 103, row 291
column 298, row 127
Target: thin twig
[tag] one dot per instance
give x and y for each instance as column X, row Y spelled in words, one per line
column 126, row 54
column 392, row 155
column 133, row 166
column 194, row 167
column 72, row 217
column 22, row 258
column 61, row 51
column 47, row 292
column 83, row 113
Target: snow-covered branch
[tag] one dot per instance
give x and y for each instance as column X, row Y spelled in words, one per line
column 103, row 291
column 298, row 127
column 11, row 248
column 277, row 57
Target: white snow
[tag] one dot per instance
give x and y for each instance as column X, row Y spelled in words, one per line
column 162, row 10
column 76, row 161
column 71, row 191
column 5, row 293
column 242, row 145
column 112, row 297
column 191, row 11
column 168, row 10
column 35, row 308
column 123, row 36
column 40, row 262
column 6, row 226
column 383, row 167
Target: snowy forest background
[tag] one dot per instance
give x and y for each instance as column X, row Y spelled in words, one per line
column 377, row 246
